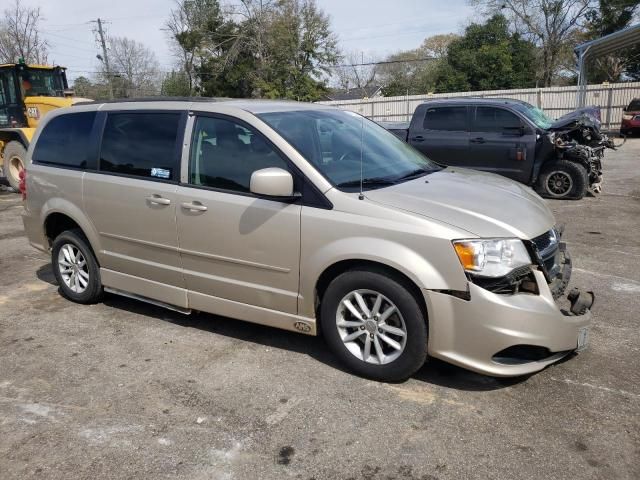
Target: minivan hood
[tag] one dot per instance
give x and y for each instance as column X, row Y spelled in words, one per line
column 483, row 204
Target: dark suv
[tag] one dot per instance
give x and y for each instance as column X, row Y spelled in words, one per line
column 560, row 158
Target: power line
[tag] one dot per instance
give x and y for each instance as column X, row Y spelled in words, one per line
column 384, row 62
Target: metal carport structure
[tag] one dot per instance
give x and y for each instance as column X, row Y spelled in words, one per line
column 626, row 37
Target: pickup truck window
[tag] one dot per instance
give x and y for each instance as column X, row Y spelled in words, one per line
column 343, row 145
column 446, row 118
column 490, row 119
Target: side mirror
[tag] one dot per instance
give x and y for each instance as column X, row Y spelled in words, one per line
column 272, row 182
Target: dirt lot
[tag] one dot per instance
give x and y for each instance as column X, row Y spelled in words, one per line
column 126, row 390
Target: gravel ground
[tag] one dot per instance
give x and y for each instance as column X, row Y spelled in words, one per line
column 126, row 390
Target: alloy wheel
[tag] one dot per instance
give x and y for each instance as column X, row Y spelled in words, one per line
column 73, row 268
column 371, row 327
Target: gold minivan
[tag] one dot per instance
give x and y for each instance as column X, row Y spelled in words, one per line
column 305, row 218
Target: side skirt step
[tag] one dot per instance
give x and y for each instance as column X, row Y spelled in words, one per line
column 122, row 293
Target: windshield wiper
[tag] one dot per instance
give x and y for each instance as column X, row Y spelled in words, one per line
column 415, row 174
column 375, row 181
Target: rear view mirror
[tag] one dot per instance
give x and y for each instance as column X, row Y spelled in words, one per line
column 272, row 182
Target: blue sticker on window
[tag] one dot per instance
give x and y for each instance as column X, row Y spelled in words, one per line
column 160, row 173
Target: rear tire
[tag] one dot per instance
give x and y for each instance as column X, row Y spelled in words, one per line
column 76, row 268
column 562, row 180
column 14, row 161
column 391, row 343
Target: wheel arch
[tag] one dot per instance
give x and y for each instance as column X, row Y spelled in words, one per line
column 58, row 220
column 14, row 134
column 342, row 266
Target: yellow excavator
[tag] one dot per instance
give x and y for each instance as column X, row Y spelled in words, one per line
column 27, row 93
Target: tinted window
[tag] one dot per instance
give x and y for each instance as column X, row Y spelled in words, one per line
column 141, row 144
column 489, row 119
column 446, row 118
column 224, row 154
column 65, row 140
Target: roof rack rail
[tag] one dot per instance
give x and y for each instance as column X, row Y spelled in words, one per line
column 158, row 99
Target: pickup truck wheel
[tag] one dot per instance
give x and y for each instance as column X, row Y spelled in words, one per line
column 14, row 158
column 374, row 325
column 563, row 180
column 75, row 267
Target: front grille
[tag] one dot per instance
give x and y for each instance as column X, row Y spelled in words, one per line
column 547, row 252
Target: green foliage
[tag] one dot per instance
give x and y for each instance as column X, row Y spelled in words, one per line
column 412, row 74
column 275, row 50
column 487, row 57
column 85, row 88
column 175, row 84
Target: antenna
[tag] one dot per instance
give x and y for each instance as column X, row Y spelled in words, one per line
column 361, row 196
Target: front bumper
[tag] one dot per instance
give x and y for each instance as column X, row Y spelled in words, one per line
column 470, row 333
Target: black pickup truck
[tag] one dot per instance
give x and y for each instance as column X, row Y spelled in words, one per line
column 559, row 158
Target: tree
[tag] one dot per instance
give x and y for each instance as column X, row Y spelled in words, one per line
column 487, row 57
column 198, row 30
column 609, row 17
column 301, row 48
column 550, row 24
column 272, row 49
column 414, row 71
column 20, row 36
column 353, row 75
column 135, row 69
column 85, row 88
column 176, row 84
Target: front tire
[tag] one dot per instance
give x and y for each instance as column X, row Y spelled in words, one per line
column 76, row 268
column 14, row 160
column 562, row 180
column 374, row 325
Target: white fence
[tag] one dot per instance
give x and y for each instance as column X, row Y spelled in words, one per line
column 556, row 101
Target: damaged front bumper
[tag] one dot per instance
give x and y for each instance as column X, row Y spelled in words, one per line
column 510, row 334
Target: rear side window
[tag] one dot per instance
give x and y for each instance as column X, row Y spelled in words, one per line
column 65, row 140
column 446, row 118
column 141, row 144
column 489, row 119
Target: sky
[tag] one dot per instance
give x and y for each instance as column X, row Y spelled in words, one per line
column 374, row 28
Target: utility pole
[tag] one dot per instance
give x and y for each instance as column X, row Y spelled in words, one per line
column 105, row 58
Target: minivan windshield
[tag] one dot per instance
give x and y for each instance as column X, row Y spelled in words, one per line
column 346, row 147
column 536, row 115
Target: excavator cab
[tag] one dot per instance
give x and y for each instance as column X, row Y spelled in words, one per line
column 27, row 93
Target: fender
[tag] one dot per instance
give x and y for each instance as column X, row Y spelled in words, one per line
column 23, row 135
column 385, row 252
column 65, row 207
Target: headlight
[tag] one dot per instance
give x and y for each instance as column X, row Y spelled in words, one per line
column 491, row 257
column 627, row 117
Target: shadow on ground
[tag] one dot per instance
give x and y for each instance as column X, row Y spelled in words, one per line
column 434, row 372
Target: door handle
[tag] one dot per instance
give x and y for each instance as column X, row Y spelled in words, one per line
column 418, row 138
column 478, row 140
column 196, row 207
column 158, row 200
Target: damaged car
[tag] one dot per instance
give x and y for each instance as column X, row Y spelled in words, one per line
column 561, row 158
